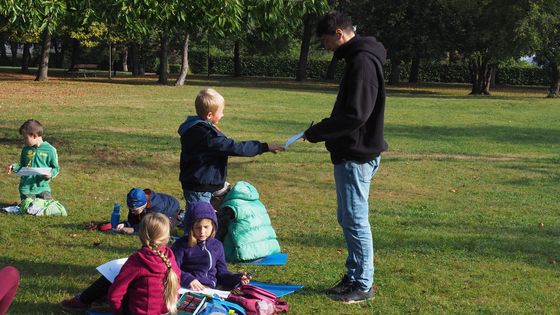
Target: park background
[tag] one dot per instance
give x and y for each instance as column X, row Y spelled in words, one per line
column 464, row 207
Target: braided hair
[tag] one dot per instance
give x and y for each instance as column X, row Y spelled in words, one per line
column 154, row 232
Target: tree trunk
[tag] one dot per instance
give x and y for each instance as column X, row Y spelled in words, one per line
column 480, row 75
column 554, row 87
column 184, row 62
column 124, row 59
column 57, row 53
column 42, row 71
column 493, row 69
column 395, row 75
column 141, row 59
column 26, row 58
column 414, row 70
column 163, row 50
column 3, row 53
column 135, row 52
column 331, row 71
column 236, row 59
column 75, row 53
column 301, row 73
column 14, row 48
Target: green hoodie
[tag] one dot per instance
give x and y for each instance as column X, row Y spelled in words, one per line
column 42, row 156
column 250, row 235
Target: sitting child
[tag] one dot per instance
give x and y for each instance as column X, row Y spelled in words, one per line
column 138, row 288
column 245, row 227
column 140, row 202
column 200, row 256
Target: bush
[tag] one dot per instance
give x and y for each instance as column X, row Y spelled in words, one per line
column 317, row 69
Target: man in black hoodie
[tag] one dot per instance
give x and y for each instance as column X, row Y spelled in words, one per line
column 353, row 135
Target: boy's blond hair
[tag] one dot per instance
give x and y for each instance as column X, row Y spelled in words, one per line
column 153, row 232
column 208, row 100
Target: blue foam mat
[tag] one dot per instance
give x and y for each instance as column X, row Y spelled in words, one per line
column 279, row 259
column 278, row 289
column 98, row 313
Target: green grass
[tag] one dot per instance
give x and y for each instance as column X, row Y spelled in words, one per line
column 455, row 206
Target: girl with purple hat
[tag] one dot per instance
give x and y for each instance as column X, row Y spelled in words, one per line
column 200, row 256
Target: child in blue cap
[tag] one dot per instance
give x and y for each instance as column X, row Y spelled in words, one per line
column 142, row 201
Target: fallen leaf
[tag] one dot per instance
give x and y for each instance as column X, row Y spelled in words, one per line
column 541, row 225
column 339, row 251
column 453, row 190
column 96, row 244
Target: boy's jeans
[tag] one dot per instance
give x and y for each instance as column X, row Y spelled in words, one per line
column 195, row 196
column 353, row 181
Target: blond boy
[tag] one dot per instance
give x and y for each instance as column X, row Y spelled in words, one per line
column 205, row 149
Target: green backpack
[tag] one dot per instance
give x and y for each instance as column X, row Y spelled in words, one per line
column 42, row 207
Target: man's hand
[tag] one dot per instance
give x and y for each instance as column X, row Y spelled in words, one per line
column 274, row 148
column 196, row 285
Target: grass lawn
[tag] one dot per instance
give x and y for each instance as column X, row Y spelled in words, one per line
column 455, row 206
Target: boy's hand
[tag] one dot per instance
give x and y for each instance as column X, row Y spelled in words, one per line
column 196, row 285
column 9, row 169
column 274, row 148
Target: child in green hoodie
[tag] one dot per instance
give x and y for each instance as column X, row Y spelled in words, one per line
column 35, row 153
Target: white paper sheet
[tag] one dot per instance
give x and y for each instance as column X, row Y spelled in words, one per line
column 111, row 269
column 28, row 171
column 208, row 292
column 11, row 209
column 292, row 140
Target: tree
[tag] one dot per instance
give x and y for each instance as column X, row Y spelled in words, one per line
column 485, row 33
column 310, row 10
column 540, row 31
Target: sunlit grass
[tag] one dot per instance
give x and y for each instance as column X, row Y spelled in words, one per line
column 456, row 204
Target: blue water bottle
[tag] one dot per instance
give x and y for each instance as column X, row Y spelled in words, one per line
column 116, row 216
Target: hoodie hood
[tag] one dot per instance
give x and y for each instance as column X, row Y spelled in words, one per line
column 151, row 261
column 242, row 190
column 358, row 44
column 197, row 211
column 189, row 122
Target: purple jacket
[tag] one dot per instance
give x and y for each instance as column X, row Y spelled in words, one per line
column 205, row 261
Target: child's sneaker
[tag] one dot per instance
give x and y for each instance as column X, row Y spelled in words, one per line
column 343, row 285
column 354, row 295
column 74, row 304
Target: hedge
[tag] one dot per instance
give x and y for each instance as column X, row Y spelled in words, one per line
column 316, row 69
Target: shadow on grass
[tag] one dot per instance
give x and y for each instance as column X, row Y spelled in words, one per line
column 513, row 135
column 522, row 243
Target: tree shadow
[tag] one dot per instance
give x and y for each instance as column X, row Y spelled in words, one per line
column 513, row 135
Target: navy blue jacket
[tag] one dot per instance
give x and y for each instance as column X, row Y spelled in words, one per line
column 158, row 202
column 204, row 154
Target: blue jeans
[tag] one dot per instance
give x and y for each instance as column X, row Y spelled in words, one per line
column 353, row 181
column 195, row 196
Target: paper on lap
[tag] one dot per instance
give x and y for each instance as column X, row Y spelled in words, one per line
column 29, row 171
column 111, row 269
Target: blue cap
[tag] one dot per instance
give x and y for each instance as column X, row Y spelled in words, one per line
column 136, row 198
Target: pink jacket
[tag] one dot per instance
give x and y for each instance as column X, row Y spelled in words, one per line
column 141, row 280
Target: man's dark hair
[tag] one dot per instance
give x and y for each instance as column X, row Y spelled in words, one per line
column 30, row 127
column 328, row 24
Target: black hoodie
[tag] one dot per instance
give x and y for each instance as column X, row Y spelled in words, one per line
column 354, row 131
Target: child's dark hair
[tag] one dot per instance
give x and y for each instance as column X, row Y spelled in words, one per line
column 30, row 127
column 328, row 24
